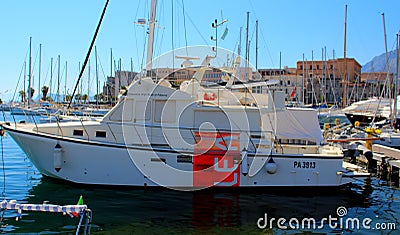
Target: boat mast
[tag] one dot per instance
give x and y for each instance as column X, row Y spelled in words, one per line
column 257, row 45
column 111, row 74
column 30, row 72
column 40, row 68
column 344, row 95
column 24, row 90
column 388, row 90
column 88, row 54
column 396, row 80
column 97, row 77
column 51, row 78
column 302, row 83
column 152, row 22
column 247, row 43
column 88, row 83
column 66, row 81
column 240, row 42
column 58, row 81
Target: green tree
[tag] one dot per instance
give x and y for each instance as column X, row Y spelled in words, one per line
column 68, row 98
column 84, row 98
column 32, row 91
column 99, row 97
column 45, row 90
column 78, row 97
column 22, row 94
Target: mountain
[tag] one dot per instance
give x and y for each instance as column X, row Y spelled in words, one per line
column 377, row 64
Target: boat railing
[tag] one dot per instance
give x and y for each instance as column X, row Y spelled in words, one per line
column 84, row 129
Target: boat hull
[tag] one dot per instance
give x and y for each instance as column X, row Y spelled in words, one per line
column 88, row 162
column 363, row 119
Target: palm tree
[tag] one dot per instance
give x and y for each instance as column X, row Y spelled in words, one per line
column 23, row 95
column 68, row 98
column 99, row 97
column 45, row 90
column 78, row 97
column 32, row 91
column 84, row 97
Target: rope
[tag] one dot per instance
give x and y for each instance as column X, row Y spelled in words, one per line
column 80, row 223
column 4, row 169
column 4, row 177
column 184, row 26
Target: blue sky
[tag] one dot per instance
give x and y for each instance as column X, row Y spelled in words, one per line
column 288, row 27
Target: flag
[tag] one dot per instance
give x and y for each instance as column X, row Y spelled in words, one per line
column 224, row 34
column 80, row 202
column 141, row 21
column 293, row 92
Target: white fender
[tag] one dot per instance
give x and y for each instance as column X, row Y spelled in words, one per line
column 271, row 166
column 57, row 157
column 245, row 165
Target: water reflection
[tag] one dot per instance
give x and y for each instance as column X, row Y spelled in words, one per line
column 143, row 210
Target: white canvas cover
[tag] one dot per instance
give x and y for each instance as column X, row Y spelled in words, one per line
column 298, row 123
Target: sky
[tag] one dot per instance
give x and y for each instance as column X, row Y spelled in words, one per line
column 288, row 29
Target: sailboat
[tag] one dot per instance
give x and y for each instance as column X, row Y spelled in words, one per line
column 188, row 138
column 391, row 136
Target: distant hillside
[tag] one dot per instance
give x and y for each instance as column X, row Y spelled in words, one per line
column 377, row 64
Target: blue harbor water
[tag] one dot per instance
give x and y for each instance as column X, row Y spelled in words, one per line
column 162, row 211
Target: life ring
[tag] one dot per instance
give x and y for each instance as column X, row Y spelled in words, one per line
column 209, row 96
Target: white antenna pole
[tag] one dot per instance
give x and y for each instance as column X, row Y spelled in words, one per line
column 152, row 22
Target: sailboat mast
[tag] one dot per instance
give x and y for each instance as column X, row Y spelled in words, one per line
column 97, row 77
column 344, row 96
column 66, row 81
column 152, row 22
column 247, row 41
column 24, row 90
column 388, row 90
column 30, row 72
column 111, row 74
column 58, row 81
column 40, row 68
column 302, row 83
column 396, row 79
column 386, row 54
column 257, row 45
column 88, row 53
column 88, row 83
column 384, row 36
column 240, row 42
column 51, row 78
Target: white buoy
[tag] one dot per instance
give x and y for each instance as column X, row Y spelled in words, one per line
column 271, row 166
column 245, row 165
column 57, row 157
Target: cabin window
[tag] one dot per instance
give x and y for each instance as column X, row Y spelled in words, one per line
column 143, row 110
column 101, row 134
column 78, row 132
column 123, row 111
column 165, row 111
